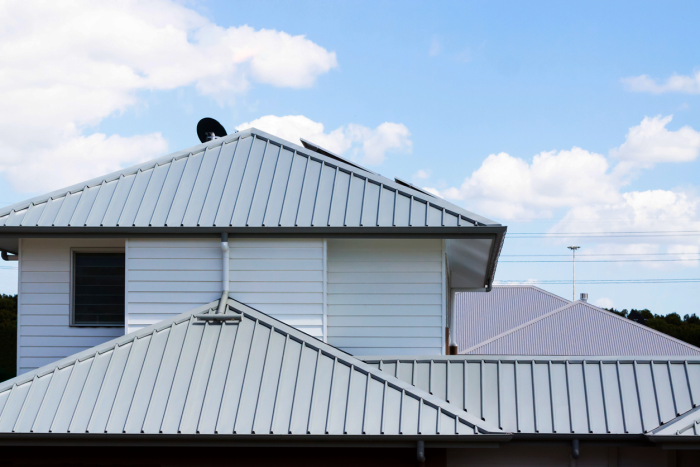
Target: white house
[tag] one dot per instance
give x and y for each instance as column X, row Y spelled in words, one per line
column 277, row 304
column 362, row 262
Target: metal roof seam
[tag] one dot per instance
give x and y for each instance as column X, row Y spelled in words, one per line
column 257, row 180
column 272, row 184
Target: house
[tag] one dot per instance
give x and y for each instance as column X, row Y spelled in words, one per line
column 526, row 320
column 275, row 303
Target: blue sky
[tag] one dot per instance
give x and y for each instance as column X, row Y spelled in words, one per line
column 483, row 102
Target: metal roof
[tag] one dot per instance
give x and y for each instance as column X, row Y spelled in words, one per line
column 687, row 424
column 247, row 179
column 241, row 372
column 580, row 328
column 519, row 394
column 482, row 316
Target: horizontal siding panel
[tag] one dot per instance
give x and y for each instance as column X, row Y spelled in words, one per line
column 45, row 288
column 381, row 256
column 396, row 266
column 383, row 244
column 278, row 298
column 51, row 351
column 45, row 309
column 277, row 265
column 283, row 278
column 175, row 253
column 341, row 322
column 384, row 299
column 78, row 331
column 46, row 299
column 386, row 341
column 46, row 266
column 374, row 288
column 388, row 331
column 385, row 294
column 175, row 276
column 63, row 341
column 45, row 277
column 385, row 310
column 275, row 253
column 363, row 351
column 384, row 278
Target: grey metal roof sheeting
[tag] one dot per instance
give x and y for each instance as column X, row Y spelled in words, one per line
column 582, row 329
column 687, row 424
column 248, row 179
column 554, row 395
column 200, row 373
column 482, row 316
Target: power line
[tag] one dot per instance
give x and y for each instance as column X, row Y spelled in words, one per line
column 603, row 261
column 601, row 281
column 615, row 254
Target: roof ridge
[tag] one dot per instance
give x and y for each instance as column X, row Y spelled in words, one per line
column 235, row 307
column 197, row 149
column 529, row 286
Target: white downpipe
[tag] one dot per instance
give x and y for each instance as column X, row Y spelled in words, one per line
column 453, row 317
column 225, row 273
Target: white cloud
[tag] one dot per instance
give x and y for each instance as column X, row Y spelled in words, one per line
column 510, row 187
column 68, row 65
column 676, row 83
column 603, row 302
column 367, row 145
column 421, row 175
column 650, row 142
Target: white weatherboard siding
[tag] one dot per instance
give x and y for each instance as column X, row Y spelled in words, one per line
column 385, row 297
column 45, row 334
column 280, row 277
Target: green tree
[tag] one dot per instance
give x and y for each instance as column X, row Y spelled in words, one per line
column 8, row 336
column 686, row 328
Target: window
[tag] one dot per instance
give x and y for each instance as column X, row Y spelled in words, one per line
column 98, row 289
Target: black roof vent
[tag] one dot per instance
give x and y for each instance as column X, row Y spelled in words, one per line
column 209, row 129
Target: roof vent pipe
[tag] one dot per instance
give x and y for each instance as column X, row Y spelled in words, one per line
column 224, row 273
column 584, row 297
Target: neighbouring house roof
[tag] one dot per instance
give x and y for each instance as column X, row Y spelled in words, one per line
column 238, row 373
column 556, row 395
column 254, row 183
column 581, row 329
column 482, row 316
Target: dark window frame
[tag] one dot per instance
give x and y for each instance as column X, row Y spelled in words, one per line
column 73, row 252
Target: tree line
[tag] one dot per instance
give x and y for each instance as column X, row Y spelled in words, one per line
column 686, row 329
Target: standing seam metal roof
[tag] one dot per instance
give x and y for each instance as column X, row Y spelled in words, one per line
column 248, row 179
column 482, row 316
column 241, row 372
column 520, row 394
column 582, row 329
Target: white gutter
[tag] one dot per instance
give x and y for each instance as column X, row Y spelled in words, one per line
column 225, row 273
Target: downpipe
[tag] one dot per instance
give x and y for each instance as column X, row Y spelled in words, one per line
column 225, row 273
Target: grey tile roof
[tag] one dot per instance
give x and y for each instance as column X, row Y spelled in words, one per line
column 254, row 375
column 482, row 316
column 247, row 179
column 580, row 328
column 521, row 394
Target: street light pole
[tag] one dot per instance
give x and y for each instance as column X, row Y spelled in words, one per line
column 573, row 252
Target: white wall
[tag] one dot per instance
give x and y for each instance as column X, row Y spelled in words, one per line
column 45, row 334
column 283, row 278
column 386, row 297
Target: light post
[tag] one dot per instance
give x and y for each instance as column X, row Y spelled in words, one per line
column 573, row 252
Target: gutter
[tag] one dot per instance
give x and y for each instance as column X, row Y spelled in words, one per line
column 6, row 257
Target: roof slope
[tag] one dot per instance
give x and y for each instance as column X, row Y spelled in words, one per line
column 247, row 179
column 687, row 424
column 199, row 374
column 597, row 395
column 482, row 316
column 582, row 329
